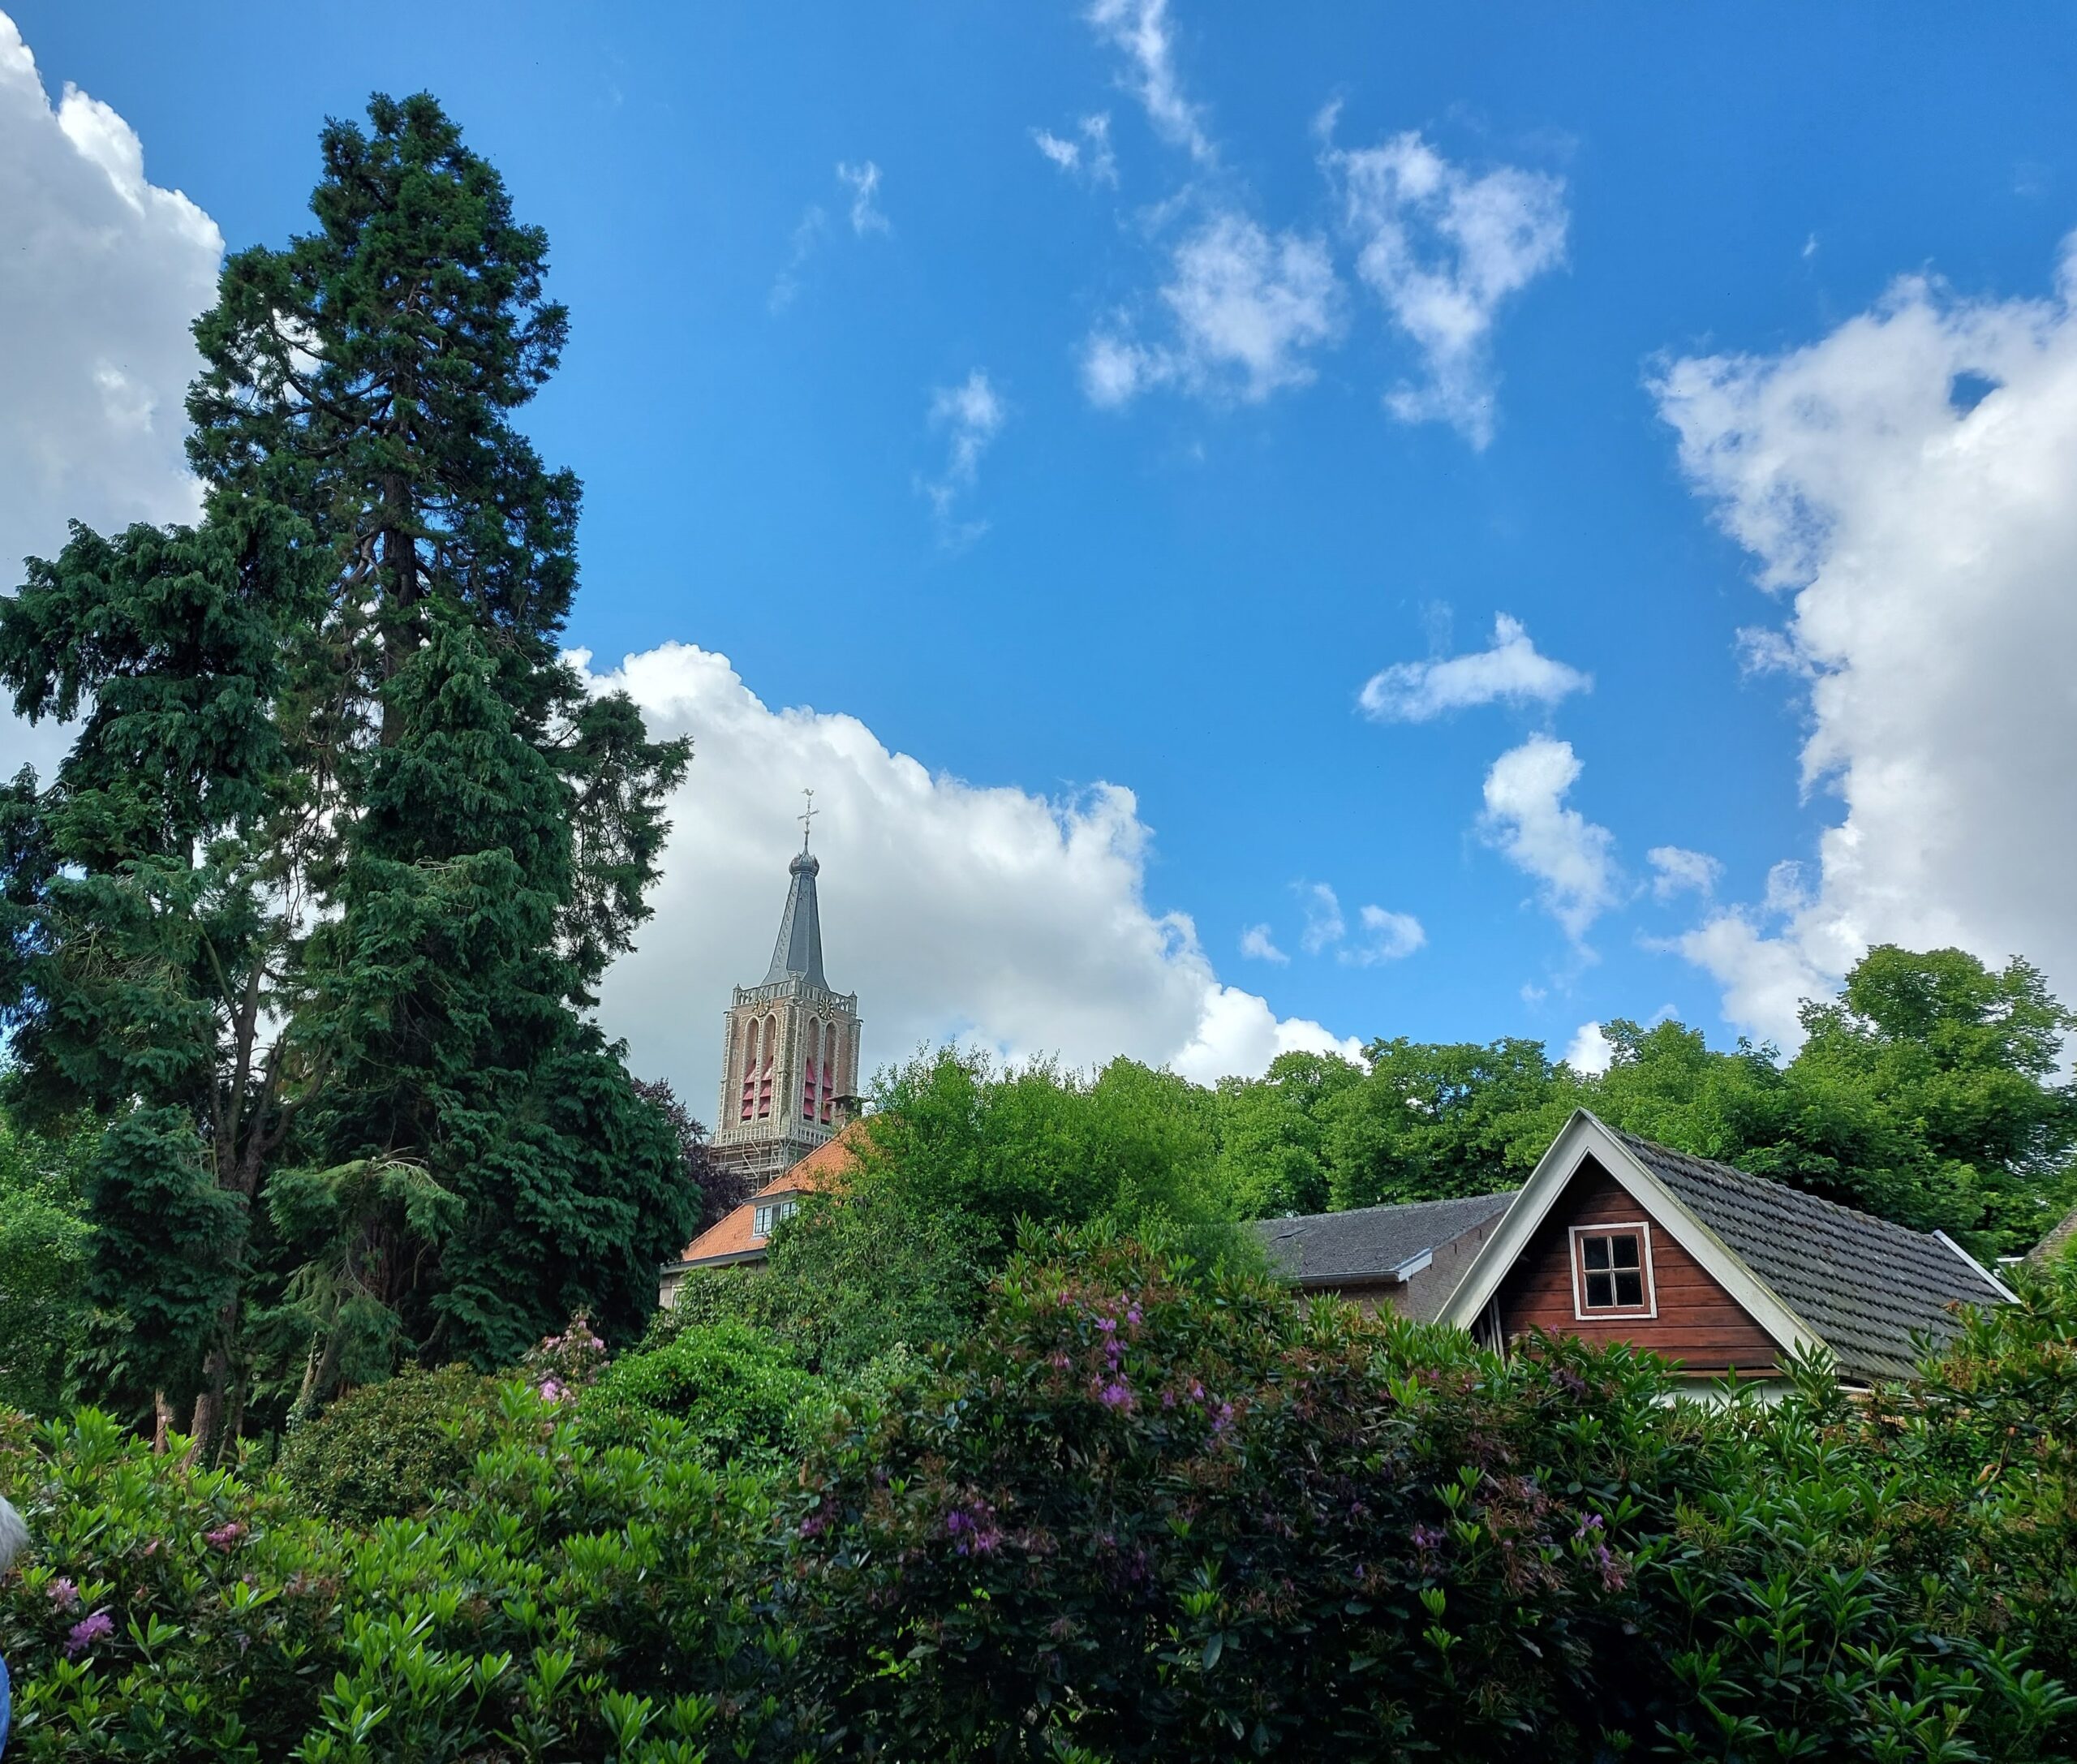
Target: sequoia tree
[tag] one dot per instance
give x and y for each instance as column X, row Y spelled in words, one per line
column 313, row 910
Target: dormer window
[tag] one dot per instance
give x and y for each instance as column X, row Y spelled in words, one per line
column 1612, row 1270
column 769, row 1213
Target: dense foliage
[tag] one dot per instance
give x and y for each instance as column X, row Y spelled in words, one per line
column 1142, row 1513
column 309, row 917
column 392, row 1449
column 44, row 1250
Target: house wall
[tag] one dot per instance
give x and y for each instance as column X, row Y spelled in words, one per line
column 1698, row 1322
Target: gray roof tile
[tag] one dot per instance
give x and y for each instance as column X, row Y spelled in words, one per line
column 1861, row 1283
column 1369, row 1242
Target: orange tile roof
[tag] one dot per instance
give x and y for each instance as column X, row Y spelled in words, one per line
column 731, row 1237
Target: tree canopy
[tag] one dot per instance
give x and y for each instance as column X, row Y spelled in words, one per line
column 310, row 914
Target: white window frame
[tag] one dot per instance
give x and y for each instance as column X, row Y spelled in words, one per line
column 768, row 1215
column 1621, row 1314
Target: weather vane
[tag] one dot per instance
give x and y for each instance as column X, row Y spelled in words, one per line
column 807, row 818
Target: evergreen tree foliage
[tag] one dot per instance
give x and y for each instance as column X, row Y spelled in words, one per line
column 327, row 880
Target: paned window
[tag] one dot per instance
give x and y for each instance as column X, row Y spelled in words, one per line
column 1612, row 1270
column 770, row 1214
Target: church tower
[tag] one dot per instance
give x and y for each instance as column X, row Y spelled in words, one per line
column 789, row 1061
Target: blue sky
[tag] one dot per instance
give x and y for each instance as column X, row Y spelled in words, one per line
column 792, row 238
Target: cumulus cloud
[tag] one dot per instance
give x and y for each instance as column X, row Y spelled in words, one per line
column 1258, row 945
column 953, row 909
column 1589, row 1050
column 972, row 414
column 102, row 274
column 1678, row 870
column 1141, row 30
column 1902, row 483
column 1442, row 249
column 1512, row 672
column 1085, row 154
column 1386, row 937
column 1573, row 859
column 1244, row 309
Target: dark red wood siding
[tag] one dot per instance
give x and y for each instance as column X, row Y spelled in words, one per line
column 1698, row 1323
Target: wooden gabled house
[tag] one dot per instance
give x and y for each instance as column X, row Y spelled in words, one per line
column 1614, row 1238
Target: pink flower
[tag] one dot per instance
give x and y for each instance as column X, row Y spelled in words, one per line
column 1115, row 1396
column 64, row 1595
column 224, row 1537
column 551, row 1390
column 86, row 1632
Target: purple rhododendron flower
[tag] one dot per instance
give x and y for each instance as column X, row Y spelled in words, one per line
column 88, row 1631
column 64, row 1594
column 1115, row 1395
column 551, row 1390
column 224, row 1536
column 1426, row 1536
column 970, row 1532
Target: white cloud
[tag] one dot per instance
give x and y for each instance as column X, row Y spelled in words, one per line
column 1572, row 860
column 1245, row 307
column 863, row 182
column 807, row 236
column 1324, row 924
column 1442, row 249
column 101, row 273
column 1388, row 937
column 1590, row 1051
column 973, row 414
column 1511, row 672
column 953, row 909
column 1258, row 945
column 1765, row 978
column 1141, row 28
column 1923, row 529
column 813, row 227
column 1681, row 872
column 1089, row 157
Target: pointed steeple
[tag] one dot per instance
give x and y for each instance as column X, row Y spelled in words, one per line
column 798, row 950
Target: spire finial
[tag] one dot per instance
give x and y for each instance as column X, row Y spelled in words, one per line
column 808, row 819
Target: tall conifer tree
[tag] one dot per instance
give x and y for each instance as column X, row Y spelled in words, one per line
column 318, row 900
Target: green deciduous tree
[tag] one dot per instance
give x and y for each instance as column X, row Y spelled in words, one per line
column 45, row 1246
column 1431, row 1121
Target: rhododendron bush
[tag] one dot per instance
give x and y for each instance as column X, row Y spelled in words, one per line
column 1131, row 1517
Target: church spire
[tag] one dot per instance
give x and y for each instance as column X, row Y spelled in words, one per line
column 798, row 951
